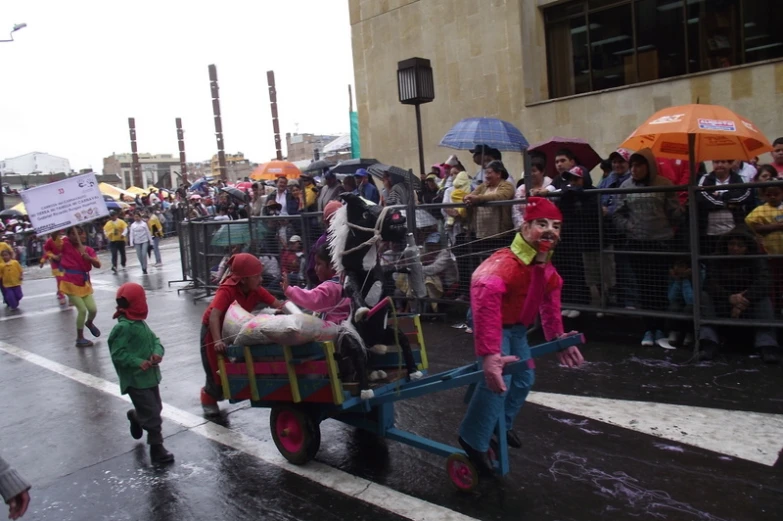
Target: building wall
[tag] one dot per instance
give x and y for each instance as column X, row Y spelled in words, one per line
column 489, row 60
column 35, row 162
column 301, row 146
column 236, row 165
column 156, row 169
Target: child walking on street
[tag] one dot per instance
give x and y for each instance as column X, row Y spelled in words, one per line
column 11, row 274
column 137, row 353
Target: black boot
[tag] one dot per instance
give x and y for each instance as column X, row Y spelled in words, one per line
column 159, row 454
column 135, row 429
column 513, row 439
column 480, row 460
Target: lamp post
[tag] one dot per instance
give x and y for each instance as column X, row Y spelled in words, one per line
column 17, row 27
column 416, row 86
column 2, row 193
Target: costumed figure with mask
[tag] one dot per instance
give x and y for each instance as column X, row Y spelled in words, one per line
column 354, row 231
column 507, row 291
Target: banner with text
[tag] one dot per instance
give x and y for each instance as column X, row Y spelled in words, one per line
column 72, row 201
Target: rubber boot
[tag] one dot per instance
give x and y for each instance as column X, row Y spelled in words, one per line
column 159, row 454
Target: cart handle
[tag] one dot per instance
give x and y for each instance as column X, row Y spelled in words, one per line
column 466, row 375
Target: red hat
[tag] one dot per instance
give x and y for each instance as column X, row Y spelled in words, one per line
column 541, row 208
column 576, row 171
column 243, row 265
column 621, row 153
column 131, row 302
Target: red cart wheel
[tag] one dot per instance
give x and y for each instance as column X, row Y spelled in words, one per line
column 296, row 434
column 462, row 473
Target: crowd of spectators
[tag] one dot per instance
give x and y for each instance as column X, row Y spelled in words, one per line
column 629, row 249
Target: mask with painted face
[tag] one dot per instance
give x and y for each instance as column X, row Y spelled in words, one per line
column 543, row 221
column 542, row 234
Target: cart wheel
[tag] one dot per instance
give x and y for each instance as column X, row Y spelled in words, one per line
column 462, row 473
column 297, row 436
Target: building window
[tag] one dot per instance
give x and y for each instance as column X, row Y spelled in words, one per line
column 599, row 44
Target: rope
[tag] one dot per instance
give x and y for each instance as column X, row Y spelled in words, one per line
column 376, row 231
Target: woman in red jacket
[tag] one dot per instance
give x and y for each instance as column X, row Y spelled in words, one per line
column 243, row 285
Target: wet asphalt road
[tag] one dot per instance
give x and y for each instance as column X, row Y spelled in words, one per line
column 71, row 440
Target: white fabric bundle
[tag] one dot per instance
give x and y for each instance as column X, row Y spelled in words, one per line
column 291, row 330
column 236, row 317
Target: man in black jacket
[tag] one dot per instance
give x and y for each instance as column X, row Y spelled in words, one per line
column 721, row 210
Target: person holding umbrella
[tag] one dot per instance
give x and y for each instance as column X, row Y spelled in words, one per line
column 490, row 223
column 647, row 222
column 482, row 156
column 367, row 187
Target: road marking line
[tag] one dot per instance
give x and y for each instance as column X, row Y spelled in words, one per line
column 367, row 491
column 751, row 436
column 35, row 314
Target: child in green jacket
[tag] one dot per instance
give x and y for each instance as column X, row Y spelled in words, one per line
column 136, row 353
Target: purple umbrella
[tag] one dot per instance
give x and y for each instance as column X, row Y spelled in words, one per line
column 584, row 153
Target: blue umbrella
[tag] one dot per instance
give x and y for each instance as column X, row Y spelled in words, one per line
column 494, row 133
column 197, row 185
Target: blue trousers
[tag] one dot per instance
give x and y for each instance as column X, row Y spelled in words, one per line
column 486, row 407
column 156, row 248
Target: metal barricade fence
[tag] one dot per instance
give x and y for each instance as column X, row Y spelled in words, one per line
column 185, row 245
column 623, row 252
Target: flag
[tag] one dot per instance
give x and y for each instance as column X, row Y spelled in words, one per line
column 355, row 146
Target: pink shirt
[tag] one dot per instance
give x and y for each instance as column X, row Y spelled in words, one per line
column 76, row 269
column 326, row 298
column 486, row 295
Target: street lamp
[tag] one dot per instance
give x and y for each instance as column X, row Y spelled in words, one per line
column 416, row 86
column 17, row 27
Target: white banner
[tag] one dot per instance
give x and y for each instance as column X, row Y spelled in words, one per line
column 72, row 201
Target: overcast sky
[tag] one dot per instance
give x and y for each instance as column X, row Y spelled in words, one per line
column 80, row 68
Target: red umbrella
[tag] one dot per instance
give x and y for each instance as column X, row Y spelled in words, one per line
column 244, row 185
column 584, row 153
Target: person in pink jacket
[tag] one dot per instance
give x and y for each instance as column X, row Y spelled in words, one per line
column 326, row 298
column 507, row 291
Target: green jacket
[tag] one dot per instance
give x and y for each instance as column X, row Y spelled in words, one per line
column 131, row 342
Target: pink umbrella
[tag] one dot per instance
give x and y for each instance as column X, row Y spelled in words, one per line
column 584, row 153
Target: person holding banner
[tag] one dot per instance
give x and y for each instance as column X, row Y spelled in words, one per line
column 76, row 262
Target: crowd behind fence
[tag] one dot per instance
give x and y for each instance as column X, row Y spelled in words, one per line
column 669, row 255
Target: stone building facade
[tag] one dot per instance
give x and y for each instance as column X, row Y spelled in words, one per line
column 594, row 69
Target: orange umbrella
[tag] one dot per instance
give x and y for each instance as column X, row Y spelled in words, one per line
column 717, row 133
column 274, row 169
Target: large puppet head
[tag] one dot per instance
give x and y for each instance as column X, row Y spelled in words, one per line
column 353, row 225
column 541, row 227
